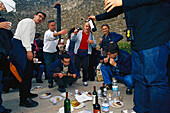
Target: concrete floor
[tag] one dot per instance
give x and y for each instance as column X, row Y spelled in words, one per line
column 11, row 99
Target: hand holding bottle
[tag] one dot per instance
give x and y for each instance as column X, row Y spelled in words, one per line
column 90, row 41
column 92, row 17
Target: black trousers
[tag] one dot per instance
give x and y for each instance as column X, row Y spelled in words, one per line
column 25, row 85
column 64, row 80
column 83, row 60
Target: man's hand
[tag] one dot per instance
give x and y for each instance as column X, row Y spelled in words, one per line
column 60, row 75
column 55, row 74
column 76, row 31
column 106, row 60
column 92, row 17
column 5, row 25
column 74, row 75
column 63, row 32
column 110, row 4
column 2, row 7
column 90, row 41
column 70, row 74
column 29, row 55
column 112, row 62
column 100, row 40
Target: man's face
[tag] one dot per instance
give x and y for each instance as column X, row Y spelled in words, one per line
column 39, row 18
column 109, row 55
column 52, row 26
column 87, row 27
column 66, row 61
column 105, row 29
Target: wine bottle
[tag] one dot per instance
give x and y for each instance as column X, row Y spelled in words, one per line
column 102, row 89
column 67, row 107
column 94, row 95
column 96, row 107
column 92, row 25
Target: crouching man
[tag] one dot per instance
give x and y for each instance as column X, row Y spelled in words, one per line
column 117, row 65
column 64, row 72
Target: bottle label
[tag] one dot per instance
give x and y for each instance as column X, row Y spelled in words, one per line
column 115, row 88
column 96, row 111
column 91, row 24
column 94, row 99
column 105, row 107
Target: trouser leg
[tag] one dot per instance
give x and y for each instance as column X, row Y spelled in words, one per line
column 77, row 64
column 85, row 60
column 106, row 73
column 25, row 85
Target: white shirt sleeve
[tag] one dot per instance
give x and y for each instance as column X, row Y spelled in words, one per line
column 50, row 36
column 27, row 37
column 67, row 45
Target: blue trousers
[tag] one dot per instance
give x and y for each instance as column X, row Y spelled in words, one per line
column 49, row 58
column 108, row 74
column 151, row 91
column 39, row 72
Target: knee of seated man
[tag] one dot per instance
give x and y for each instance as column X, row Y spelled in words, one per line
column 128, row 80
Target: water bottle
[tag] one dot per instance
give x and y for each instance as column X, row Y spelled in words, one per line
column 115, row 90
column 105, row 102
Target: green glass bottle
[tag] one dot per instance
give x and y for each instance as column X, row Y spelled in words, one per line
column 67, row 107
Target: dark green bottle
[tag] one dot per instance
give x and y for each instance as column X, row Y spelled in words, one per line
column 96, row 106
column 67, row 107
column 94, row 95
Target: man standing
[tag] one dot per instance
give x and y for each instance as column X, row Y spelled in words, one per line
column 21, row 57
column 5, row 46
column 118, row 65
column 64, row 72
column 84, row 41
column 50, row 47
column 148, row 27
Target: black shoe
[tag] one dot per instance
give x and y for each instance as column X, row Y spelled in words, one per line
column 39, row 81
column 28, row 102
column 62, row 90
column 50, row 85
column 128, row 91
column 7, row 111
column 32, row 95
column 108, row 86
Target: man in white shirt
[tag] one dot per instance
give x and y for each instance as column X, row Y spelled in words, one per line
column 21, row 57
column 50, row 47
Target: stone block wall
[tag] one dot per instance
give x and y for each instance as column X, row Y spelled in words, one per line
column 73, row 14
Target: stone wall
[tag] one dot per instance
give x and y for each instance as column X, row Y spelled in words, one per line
column 73, row 14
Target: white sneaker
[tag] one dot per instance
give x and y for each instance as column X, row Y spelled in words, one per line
column 85, row 83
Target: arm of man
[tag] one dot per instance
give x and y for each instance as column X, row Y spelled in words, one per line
column 117, row 38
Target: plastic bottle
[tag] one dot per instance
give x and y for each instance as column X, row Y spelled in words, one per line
column 115, row 90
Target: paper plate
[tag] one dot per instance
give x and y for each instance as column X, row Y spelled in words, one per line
column 36, row 88
column 59, row 98
column 114, row 104
column 81, row 104
column 45, row 95
column 64, row 94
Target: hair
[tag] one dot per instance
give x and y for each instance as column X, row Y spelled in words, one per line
column 105, row 25
column 50, row 21
column 65, row 56
column 37, row 35
column 112, row 48
column 41, row 13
